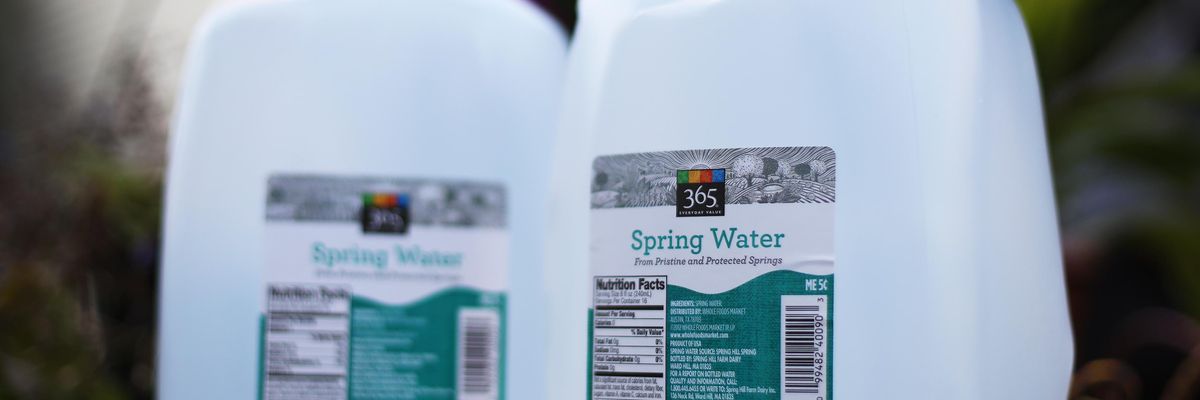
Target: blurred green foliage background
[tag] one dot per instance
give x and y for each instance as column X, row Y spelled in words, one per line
column 81, row 181
column 1121, row 84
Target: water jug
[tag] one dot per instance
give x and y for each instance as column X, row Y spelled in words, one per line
column 355, row 202
column 810, row 200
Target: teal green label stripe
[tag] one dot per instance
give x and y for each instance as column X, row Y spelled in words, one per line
column 262, row 353
column 591, row 345
column 411, row 351
column 747, row 343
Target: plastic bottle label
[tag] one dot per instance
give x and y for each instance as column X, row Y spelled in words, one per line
column 383, row 288
column 712, row 274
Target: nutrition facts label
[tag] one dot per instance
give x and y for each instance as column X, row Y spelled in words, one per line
column 629, row 344
column 307, row 342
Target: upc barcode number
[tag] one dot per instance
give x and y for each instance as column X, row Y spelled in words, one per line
column 478, row 354
column 803, row 334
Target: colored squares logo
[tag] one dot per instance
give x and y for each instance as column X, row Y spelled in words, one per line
column 700, row 176
column 385, row 200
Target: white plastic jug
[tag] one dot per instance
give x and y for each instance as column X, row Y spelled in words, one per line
column 812, row 200
column 355, row 202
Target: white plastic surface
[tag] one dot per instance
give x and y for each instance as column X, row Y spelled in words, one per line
column 949, row 274
column 461, row 89
column 591, row 44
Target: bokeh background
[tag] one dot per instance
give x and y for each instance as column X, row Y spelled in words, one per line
column 86, row 90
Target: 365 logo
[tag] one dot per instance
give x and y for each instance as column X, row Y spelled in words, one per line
column 385, row 213
column 700, row 193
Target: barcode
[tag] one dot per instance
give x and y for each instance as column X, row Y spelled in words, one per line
column 478, row 354
column 803, row 334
